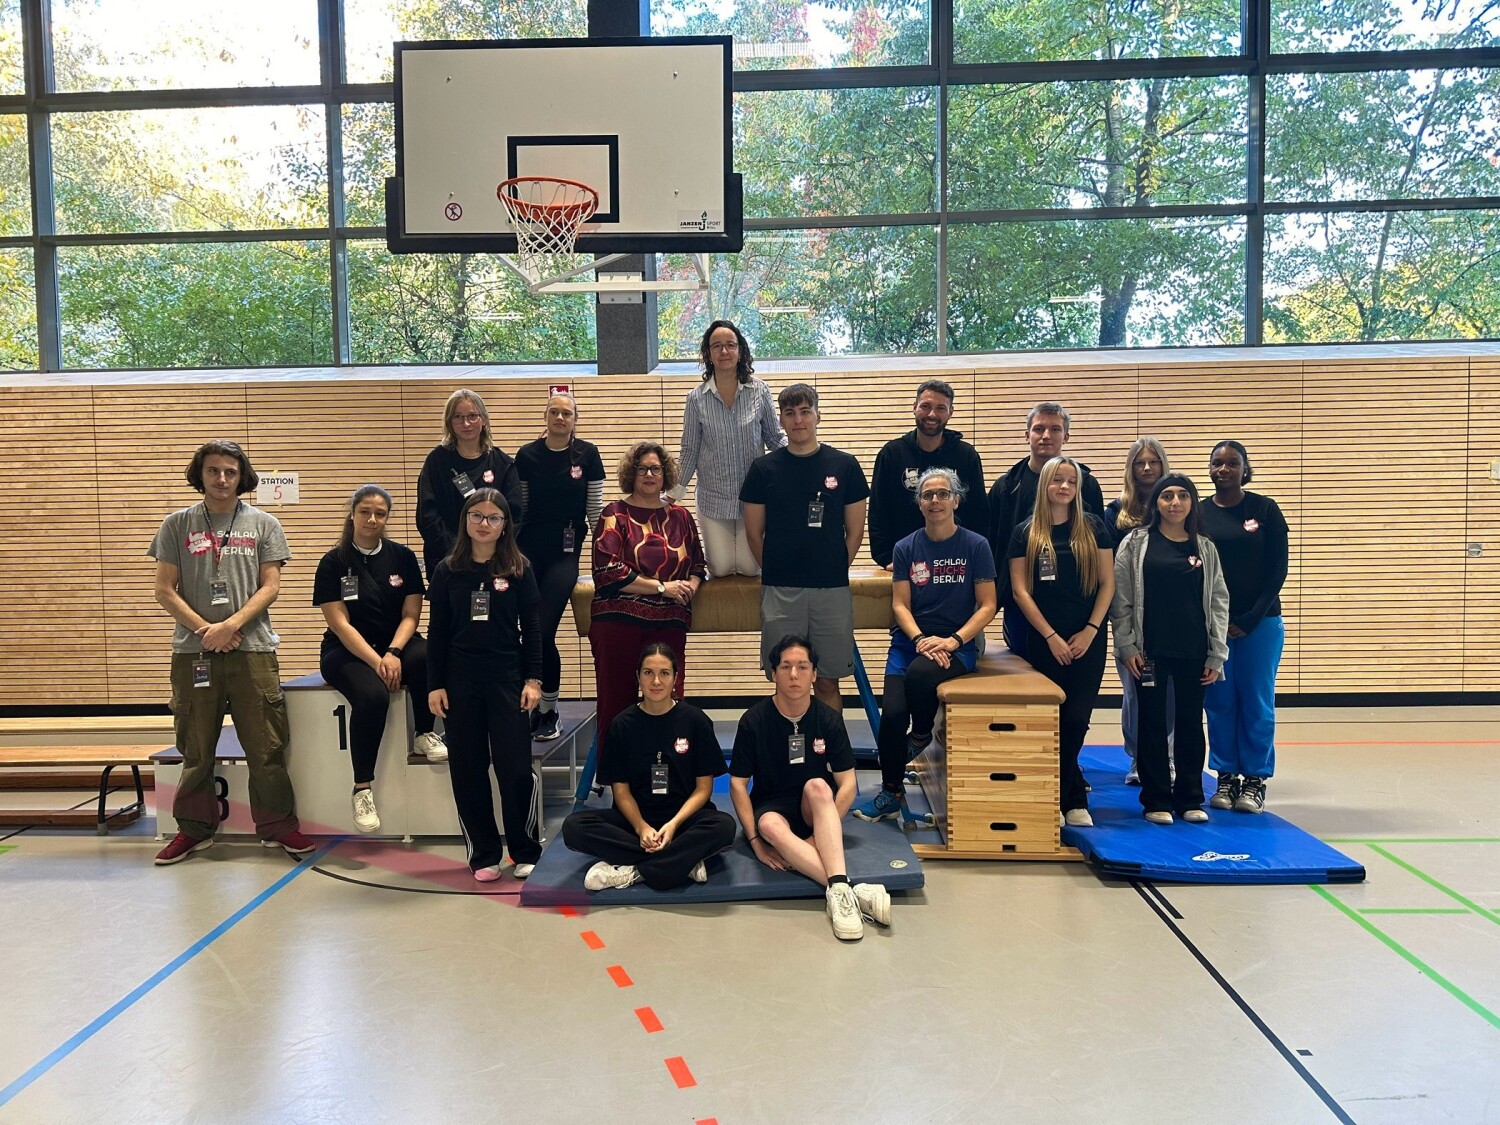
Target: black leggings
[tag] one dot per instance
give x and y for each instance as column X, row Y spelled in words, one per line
column 1080, row 683
column 369, row 700
column 909, row 700
column 556, row 575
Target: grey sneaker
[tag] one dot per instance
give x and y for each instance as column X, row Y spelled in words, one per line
column 1159, row 817
column 1227, row 792
column 843, row 912
column 1252, row 796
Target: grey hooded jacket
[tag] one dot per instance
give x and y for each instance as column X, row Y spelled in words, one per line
column 1127, row 613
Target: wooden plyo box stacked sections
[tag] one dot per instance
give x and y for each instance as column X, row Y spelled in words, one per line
column 990, row 772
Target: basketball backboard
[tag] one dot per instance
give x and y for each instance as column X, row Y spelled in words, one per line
column 646, row 122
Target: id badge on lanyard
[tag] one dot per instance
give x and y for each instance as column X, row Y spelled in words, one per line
column 659, row 777
column 479, row 605
column 1046, row 567
column 464, row 485
column 349, row 587
column 796, row 746
column 218, row 592
column 1148, row 673
column 202, row 677
column 570, row 540
column 815, row 512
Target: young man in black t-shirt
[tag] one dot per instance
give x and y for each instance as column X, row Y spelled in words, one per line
column 804, row 508
column 797, row 752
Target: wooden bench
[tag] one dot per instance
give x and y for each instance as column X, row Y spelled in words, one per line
column 104, row 758
column 990, row 772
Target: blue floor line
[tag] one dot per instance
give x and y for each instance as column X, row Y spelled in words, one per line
column 79, row 1038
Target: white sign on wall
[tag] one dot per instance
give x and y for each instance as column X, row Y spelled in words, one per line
column 277, row 488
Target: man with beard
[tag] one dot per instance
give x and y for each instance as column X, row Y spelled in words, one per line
column 893, row 492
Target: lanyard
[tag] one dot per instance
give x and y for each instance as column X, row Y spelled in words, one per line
column 218, row 544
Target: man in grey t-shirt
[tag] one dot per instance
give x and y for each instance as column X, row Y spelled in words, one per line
column 218, row 569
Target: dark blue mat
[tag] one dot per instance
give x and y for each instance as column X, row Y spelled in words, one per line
column 1231, row 848
column 876, row 853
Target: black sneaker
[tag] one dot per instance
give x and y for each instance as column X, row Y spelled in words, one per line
column 544, row 728
column 1252, row 798
column 1227, row 793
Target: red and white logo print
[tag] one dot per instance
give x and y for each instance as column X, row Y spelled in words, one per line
column 576, row 472
column 198, row 543
column 1194, row 561
column 397, row 581
column 1252, row 525
column 819, row 746
column 681, row 746
column 502, row 584
column 830, row 482
column 920, row 575
column 489, row 476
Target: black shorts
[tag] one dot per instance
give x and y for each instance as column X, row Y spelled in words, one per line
column 788, row 805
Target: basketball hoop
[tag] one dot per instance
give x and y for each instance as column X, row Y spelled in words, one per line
column 546, row 212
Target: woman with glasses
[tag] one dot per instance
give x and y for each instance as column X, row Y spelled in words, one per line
column 562, row 486
column 484, row 657
column 942, row 596
column 1145, row 464
column 465, row 460
column 1062, row 577
column 370, row 591
column 648, row 564
column 730, row 419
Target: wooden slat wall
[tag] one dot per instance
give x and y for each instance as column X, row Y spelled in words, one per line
column 1381, row 598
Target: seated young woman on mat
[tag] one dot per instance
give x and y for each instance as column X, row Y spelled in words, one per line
column 660, row 761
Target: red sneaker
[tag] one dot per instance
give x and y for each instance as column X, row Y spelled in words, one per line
column 180, row 847
column 293, row 843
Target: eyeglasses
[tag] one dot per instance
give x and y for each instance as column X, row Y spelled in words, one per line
column 648, row 470
column 494, row 521
column 936, row 494
column 729, row 347
column 468, row 419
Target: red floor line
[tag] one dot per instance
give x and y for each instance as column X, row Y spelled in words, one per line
column 648, row 1020
column 678, row 1068
column 567, row 912
column 707, row 1121
column 621, row 978
column 592, row 940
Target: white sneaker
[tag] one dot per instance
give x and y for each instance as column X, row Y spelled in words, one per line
column 874, row 902
column 431, row 747
column 843, row 912
column 1161, row 817
column 523, row 870
column 603, row 875
column 1195, row 816
column 1079, row 818
column 699, row 873
column 366, row 819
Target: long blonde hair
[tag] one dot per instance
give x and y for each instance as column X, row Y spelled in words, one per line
column 1132, row 503
column 1080, row 532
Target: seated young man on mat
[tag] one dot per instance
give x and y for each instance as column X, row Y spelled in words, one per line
column 797, row 751
column 660, row 761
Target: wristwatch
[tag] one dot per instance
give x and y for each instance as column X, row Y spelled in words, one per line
column 661, row 588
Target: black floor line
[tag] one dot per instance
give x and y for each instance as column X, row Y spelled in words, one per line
column 1250, row 1013
column 415, row 890
column 1161, row 898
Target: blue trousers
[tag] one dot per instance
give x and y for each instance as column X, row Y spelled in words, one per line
column 1241, row 706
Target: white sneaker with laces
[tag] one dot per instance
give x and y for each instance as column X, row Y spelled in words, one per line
column 699, row 873
column 603, row 875
column 874, row 902
column 366, row 819
column 843, row 912
column 524, row 870
column 1079, row 818
column 431, row 747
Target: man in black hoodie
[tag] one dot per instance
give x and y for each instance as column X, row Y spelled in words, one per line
column 893, row 493
column 1013, row 498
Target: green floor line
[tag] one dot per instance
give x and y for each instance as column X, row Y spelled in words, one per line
column 1413, row 840
column 1431, row 882
column 1413, row 910
column 1412, row 959
column 7, row 848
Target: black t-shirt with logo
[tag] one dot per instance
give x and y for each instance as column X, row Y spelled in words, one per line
column 1175, row 625
column 788, row 485
column 683, row 740
column 1063, row 601
column 761, row 751
column 557, row 489
column 386, row 579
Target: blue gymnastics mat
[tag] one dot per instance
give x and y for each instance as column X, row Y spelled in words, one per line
column 1231, row 848
column 876, row 853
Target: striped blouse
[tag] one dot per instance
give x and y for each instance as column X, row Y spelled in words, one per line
column 720, row 442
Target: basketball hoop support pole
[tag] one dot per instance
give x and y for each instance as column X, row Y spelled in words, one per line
column 559, row 283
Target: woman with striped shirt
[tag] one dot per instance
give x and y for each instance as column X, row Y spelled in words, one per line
column 730, row 419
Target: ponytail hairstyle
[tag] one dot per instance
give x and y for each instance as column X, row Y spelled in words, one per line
column 346, row 537
column 1248, row 472
column 1132, row 503
column 1193, row 525
column 1080, row 532
column 507, row 561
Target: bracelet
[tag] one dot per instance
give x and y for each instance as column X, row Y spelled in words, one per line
column 960, row 640
column 394, row 651
column 1050, row 635
column 752, row 839
column 1094, row 627
column 918, row 638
